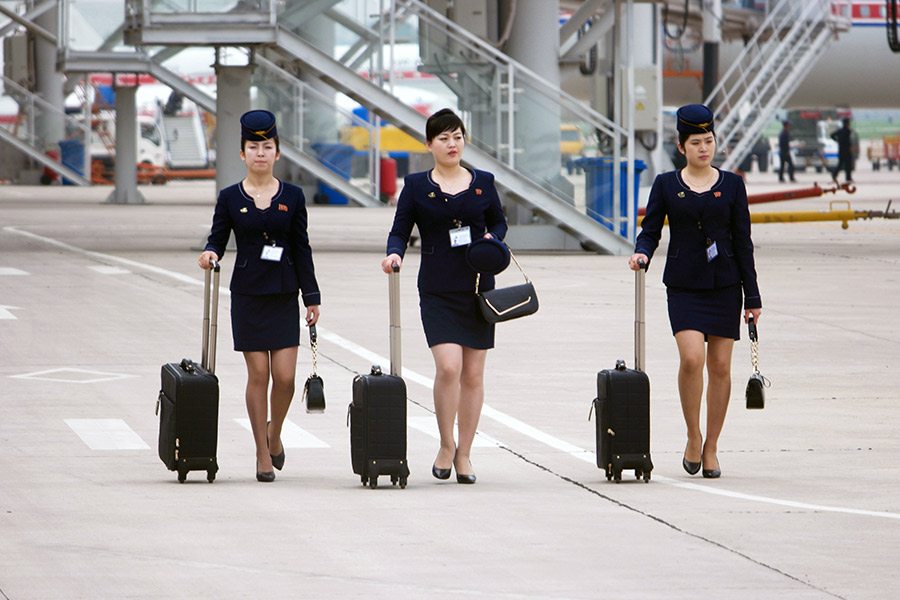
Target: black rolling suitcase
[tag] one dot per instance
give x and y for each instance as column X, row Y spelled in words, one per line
column 622, row 406
column 377, row 414
column 188, row 404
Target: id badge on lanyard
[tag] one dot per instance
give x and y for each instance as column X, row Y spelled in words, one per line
column 460, row 236
column 272, row 253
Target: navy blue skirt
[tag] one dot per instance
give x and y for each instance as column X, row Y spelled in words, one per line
column 260, row 323
column 712, row 312
column 454, row 318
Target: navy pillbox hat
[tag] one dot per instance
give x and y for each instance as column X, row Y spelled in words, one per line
column 258, row 126
column 487, row 255
column 695, row 118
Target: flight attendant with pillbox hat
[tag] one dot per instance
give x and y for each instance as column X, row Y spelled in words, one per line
column 272, row 266
column 710, row 276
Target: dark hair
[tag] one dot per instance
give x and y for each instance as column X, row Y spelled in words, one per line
column 441, row 121
column 683, row 137
column 275, row 139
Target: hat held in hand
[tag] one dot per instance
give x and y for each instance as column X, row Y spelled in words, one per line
column 487, row 255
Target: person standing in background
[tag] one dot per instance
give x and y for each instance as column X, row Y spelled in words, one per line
column 784, row 152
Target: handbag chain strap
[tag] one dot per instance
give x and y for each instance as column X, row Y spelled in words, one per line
column 314, row 346
column 754, row 355
column 754, row 345
column 512, row 256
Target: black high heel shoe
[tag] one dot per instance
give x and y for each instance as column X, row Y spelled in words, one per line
column 712, row 473
column 470, row 478
column 440, row 473
column 690, row 467
column 277, row 460
column 264, row 476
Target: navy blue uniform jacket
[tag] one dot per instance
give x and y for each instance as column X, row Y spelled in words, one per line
column 283, row 223
column 443, row 268
column 720, row 214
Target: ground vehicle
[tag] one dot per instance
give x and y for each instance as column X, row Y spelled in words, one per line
column 571, row 142
column 811, row 130
column 150, row 146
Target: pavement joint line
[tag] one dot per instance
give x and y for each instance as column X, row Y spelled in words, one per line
column 665, row 523
column 503, row 418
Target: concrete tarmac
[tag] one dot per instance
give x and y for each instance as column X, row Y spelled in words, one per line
column 95, row 297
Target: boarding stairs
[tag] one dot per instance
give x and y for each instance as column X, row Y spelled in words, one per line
column 499, row 89
column 24, row 135
column 768, row 71
column 185, row 140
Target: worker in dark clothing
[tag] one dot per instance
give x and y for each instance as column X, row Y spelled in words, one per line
column 844, row 139
column 784, row 151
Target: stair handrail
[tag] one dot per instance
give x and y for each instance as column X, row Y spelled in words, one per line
column 567, row 101
column 73, row 124
column 786, row 11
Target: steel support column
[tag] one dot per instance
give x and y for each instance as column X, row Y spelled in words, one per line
column 125, row 177
column 50, row 126
column 232, row 100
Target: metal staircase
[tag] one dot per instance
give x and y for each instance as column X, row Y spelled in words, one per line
column 540, row 195
column 768, row 71
column 23, row 134
column 186, row 141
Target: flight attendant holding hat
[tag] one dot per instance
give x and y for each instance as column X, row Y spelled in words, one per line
column 453, row 207
column 273, row 264
column 710, row 276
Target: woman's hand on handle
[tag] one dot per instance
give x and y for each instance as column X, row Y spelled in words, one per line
column 312, row 315
column 752, row 312
column 207, row 258
column 634, row 263
column 387, row 264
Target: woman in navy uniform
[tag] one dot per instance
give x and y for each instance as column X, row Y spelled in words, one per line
column 452, row 206
column 273, row 263
column 709, row 273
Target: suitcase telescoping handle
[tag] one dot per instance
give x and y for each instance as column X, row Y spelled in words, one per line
column 210, row 317
column 639, row 323
column 394, row 298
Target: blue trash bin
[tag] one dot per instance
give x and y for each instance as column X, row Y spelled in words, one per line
column 71, row 154
column 599, row 189
column 338, row 158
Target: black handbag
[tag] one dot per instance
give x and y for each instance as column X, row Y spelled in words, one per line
column 755, row 394
column 314, row 388
column 505, row 304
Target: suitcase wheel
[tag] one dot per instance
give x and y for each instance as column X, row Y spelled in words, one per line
column 210, row 476
column 647, row 477
column 638, row 473
column 364, row 479
column 182, row 475
column 394, row 479
column 403, row 483
column 373, row 482
column 617, row 477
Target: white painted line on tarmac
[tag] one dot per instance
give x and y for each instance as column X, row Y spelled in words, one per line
column 72, row 375
column 107, row 434
column 5, row 314
column 498, row 416
column 777, row 501
column 103, row 257
column 12, row 271
column 428, row 426
column 292, row 435
column 109, row 270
